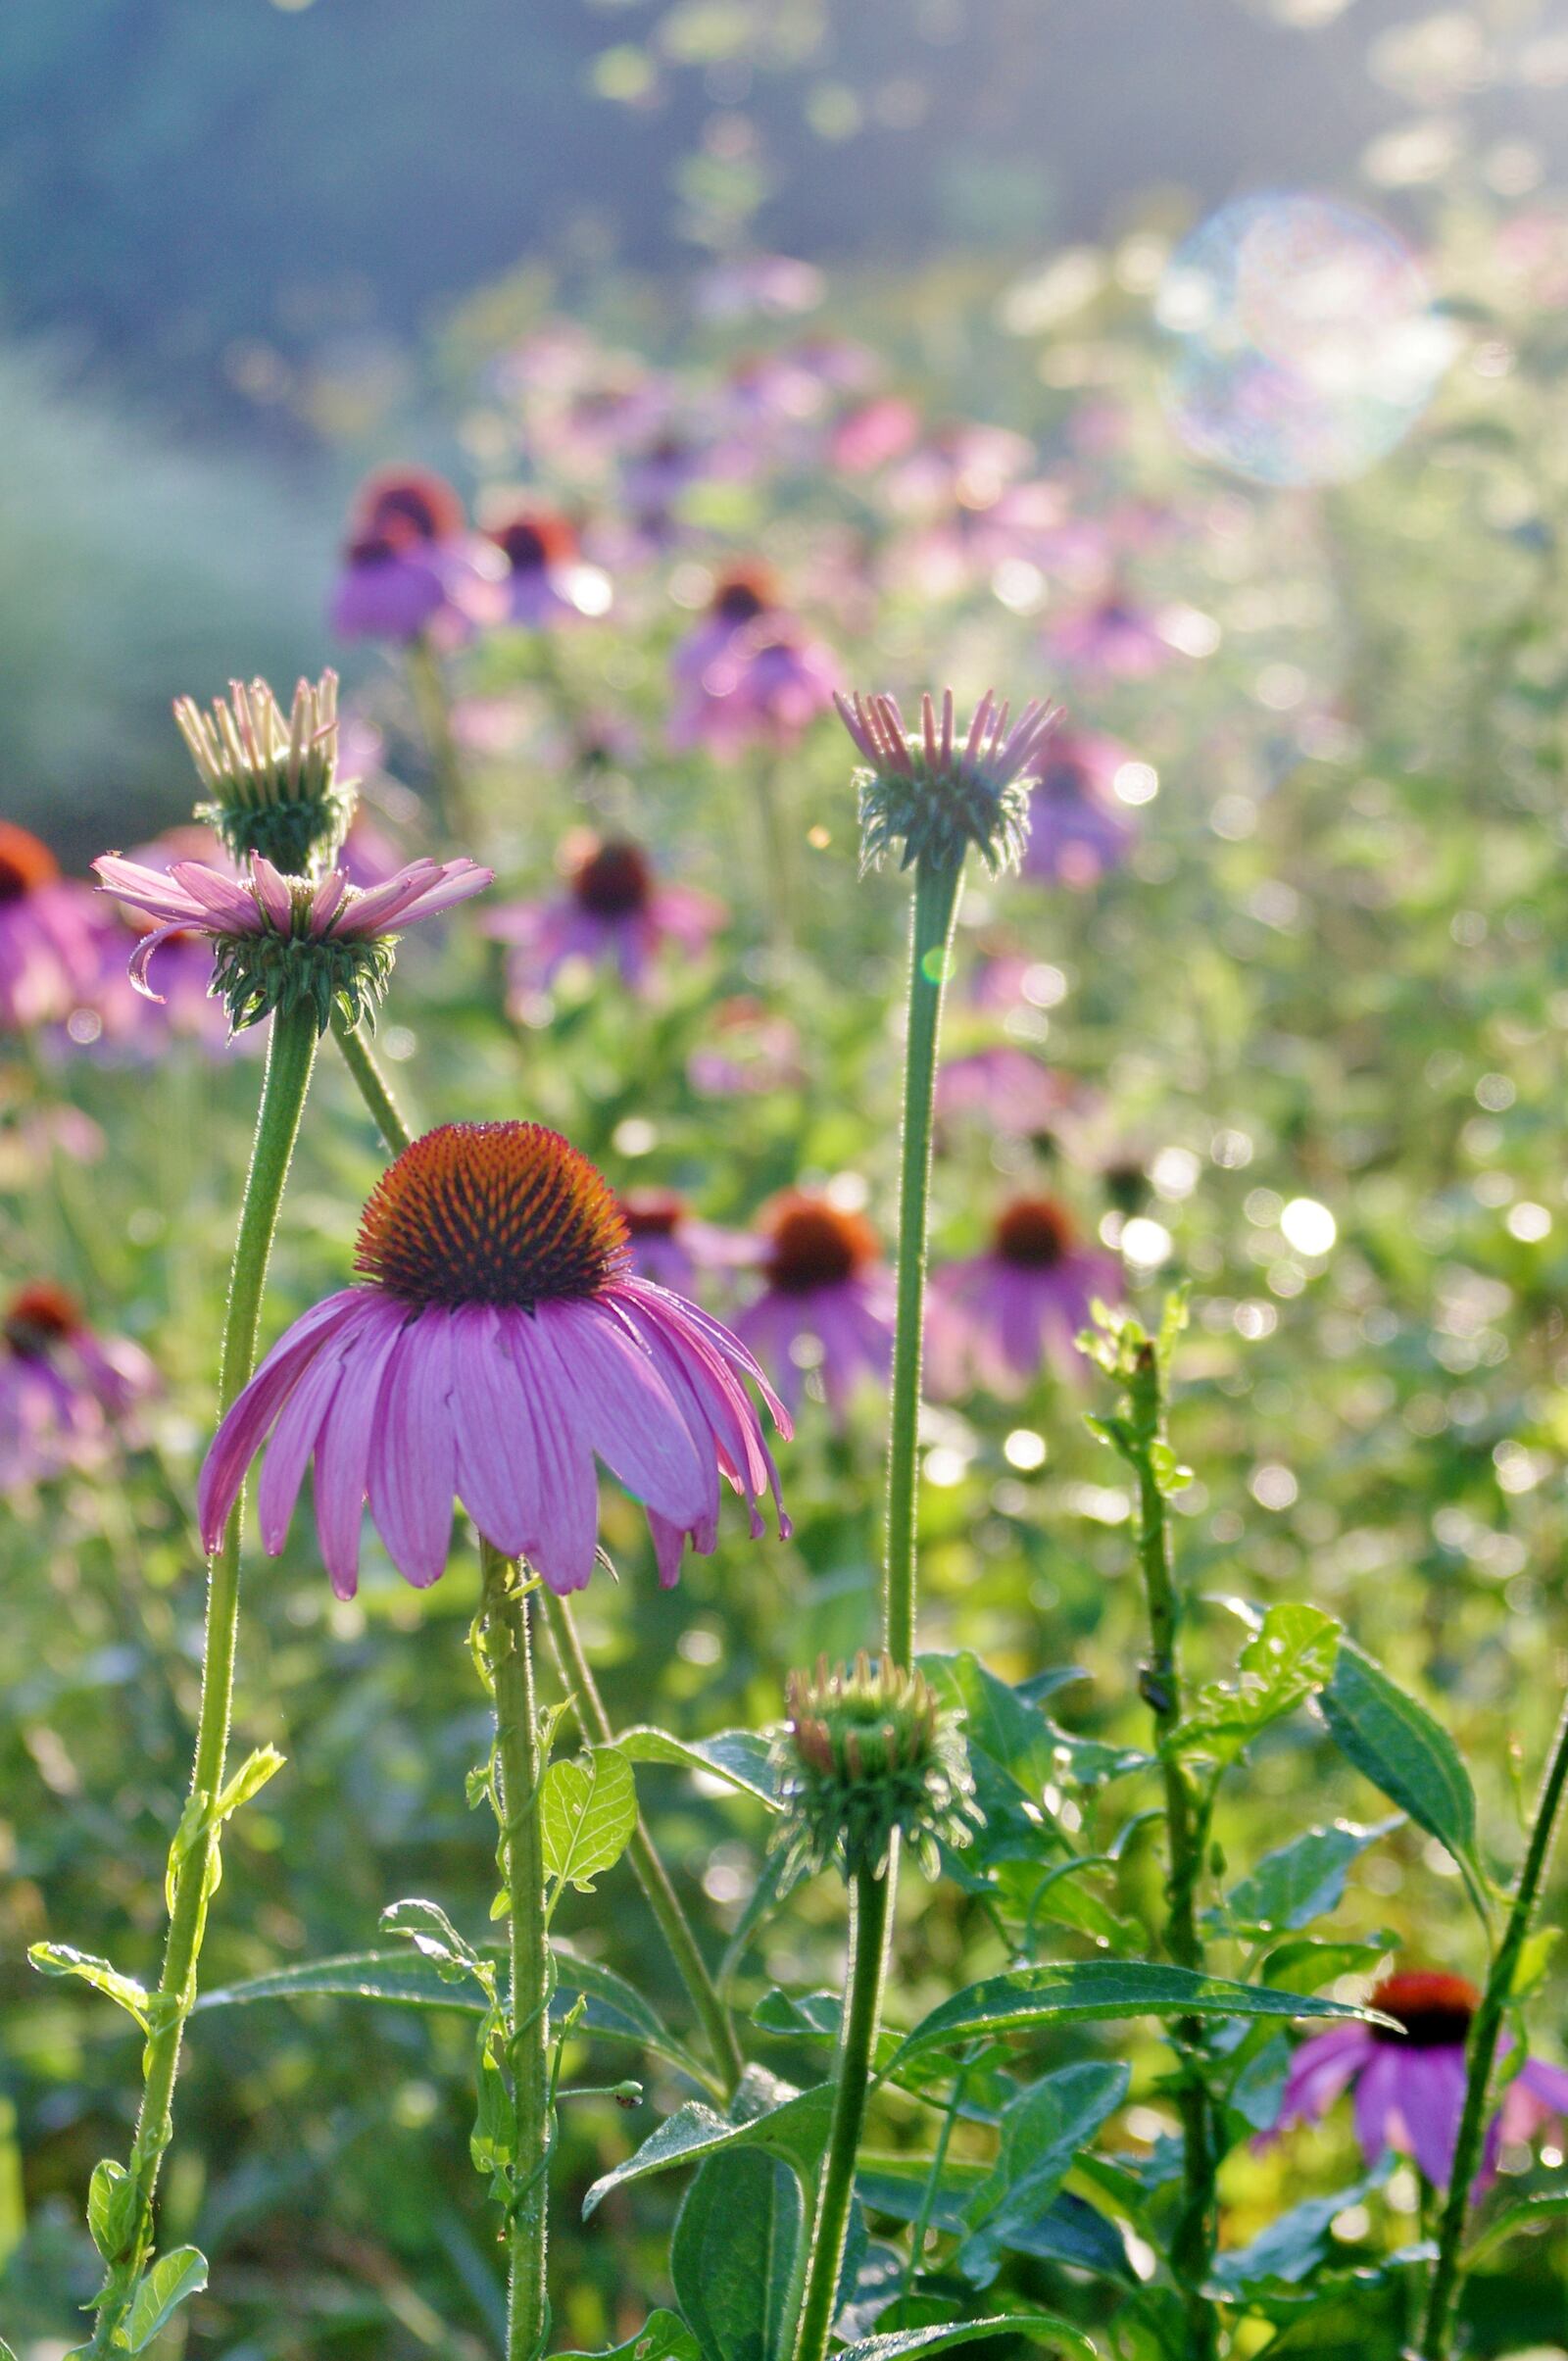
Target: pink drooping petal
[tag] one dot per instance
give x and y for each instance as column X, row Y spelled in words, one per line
column 325, row 903
column 151, row 891
column 497, row 1455
column 414, row 1460
column 294, row 1438
column 343, row 1446
column 272, row 896
column 459, row 881
column 1429, row 2097
column 1320, row 2070
column 142, row 957
column 624, row 1407
column 1376, row 2101
column 240, row 1435
column 670, row 1545
column 1537, row 2095
column 563, row 1544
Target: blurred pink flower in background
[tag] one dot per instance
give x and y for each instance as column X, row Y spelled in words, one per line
column 122, row 1019
column 1077, row 828
column 613, row 911
column 68, row 1398
column 670, row 1245
column 751, row 1051
column 1114, row 637
column 410, row 567
column 52, row 932
column 1007, row 1090
column 546, row 580
column 999, row 1319
column 748, row 674
column 827, row 1305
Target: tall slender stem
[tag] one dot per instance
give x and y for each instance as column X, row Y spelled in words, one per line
column 936, row 904
column 1192, row 2247
column 1447, row 2272
column 510, row 1657
column 428, row 685
column 871, row 1928
column 650, row 1873
column 194, row 1861
column 649, row 1869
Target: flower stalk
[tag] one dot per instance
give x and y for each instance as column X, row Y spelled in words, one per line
column 1447, row 2271
column 870, row 1930
column 194, row 1861
column 509, row 1660
column 649, row 1869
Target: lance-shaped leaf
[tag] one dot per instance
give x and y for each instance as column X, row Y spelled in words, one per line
column 1042, row 2328
column 1285, row 1661
column 1396, row 1741
column 1100, row 1989
column 796, row 2132
column 1291, row 2248
column 662, row 2337
column 1300, row 1881
column 732, row 2257
column 587, row 1813
column 110, row 2208
column 172, row 2278
column 1040, row 2133
column 64, row 1959
column 742, row 1758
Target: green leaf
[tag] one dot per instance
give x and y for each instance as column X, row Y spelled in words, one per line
column 1290, row 1656
column 1095, row 1988
column 110, row 2208
column 796, row 2130
column 1291, row 2248
column 1041, row 2131
column 1043, row 2326
column 662, row 2337
column 896, row 2184
column 1402, row 1749
column 64, row 1959
column 178, row 2275
column 741, row 1757
column 587, row 1813
column 733, row 2254
column 1300, row 1880
column 249, row 1780
column 1521, row 2217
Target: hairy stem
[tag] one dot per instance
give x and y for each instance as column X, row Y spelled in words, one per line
column 510, row 1657
column 1192, row 2247
column 1436, row 2336
column 650, row 1873
column 870, row 1930
column 936, row 904
column 193, row 1860
column 647, row 1866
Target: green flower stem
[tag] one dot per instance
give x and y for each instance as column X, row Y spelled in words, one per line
column 428, row 688
column 778, row 848
column 1192, row 2247
column 193, row 1860
column 510, row 1658
column 647, row 1866
column 870, row 1931
column 650, row 1873
column 936, row 906
column 1447, row 2271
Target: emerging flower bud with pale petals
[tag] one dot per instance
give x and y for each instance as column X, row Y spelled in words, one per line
column 930, row 796
column 272, row 782
column 870, row 1754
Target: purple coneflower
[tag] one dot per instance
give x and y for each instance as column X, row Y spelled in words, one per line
column 410, row 565
column 546, row 580
column 496, row 1343
column 828, row 1301
column 999, row 1317
column 670, row 1245
column 1112, row 637
column 51, row 934
column 1077, row 828
column 67, row 1397
column 132, row 1021
column 748, row 674
column 750, row 1052
column 1005, row 1088
column 264, row 920
column 614, row 910
column 1409, row 2087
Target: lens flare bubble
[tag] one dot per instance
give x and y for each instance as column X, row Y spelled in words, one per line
column 1302, row 340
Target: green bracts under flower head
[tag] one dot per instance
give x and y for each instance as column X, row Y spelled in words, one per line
column 930, row 796
column 868, row 1754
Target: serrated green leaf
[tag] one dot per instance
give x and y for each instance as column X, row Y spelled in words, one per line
column 587, row 1814
column 1397, row 1745
column 740, row 1758
column 171, row 2281
column 796, row 2130
column 64, row 1959
column 1097, row 1989
column 732, row 2257
column 1285, row 1661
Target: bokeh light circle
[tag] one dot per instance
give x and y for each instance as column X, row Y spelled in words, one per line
column 1302, row 340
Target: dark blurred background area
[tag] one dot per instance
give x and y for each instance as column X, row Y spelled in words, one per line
column 231, row 238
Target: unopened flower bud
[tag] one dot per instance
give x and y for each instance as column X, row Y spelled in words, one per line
column 272, row 781
column 870, row 1754
column 929, row 795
